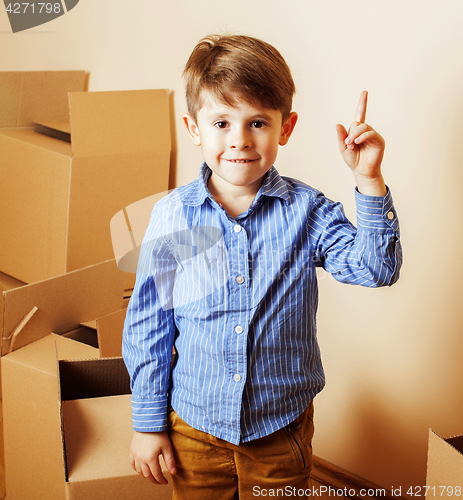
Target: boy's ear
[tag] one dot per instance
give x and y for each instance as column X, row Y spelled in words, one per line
column 287, row 128
column 192, row 128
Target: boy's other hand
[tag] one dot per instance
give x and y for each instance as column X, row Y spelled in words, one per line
column 362, row 148
column 144, row 455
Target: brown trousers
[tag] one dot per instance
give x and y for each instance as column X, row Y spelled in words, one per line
column 209, row 468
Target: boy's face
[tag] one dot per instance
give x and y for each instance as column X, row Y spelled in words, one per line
column 239, row 143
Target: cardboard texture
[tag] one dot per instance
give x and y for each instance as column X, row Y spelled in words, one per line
column 76, row 414
column 95, row 408
column 28, row 96
column 62, row 303
column 113, row 323
column 445, row 466
column 57, row 198
column 7, row 283
column 31, row 415
column 58, row 309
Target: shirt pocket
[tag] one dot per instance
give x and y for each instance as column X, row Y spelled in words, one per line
column 201, row 279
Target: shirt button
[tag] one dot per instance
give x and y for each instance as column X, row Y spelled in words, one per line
column 240, row 279
column 237, row 228
column 237, row 377
column 390, row 215
column 238, row 329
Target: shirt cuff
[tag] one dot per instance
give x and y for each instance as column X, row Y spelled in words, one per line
column 149, row 415
column 376, row 212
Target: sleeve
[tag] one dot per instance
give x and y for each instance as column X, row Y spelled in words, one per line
column 369, row 255
column 149, row 331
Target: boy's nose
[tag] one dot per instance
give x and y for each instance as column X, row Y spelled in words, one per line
column 240, row 140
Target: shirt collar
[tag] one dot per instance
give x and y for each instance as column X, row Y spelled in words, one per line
column 273, row 185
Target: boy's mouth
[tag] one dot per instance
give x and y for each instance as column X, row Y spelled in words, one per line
column 241, row 160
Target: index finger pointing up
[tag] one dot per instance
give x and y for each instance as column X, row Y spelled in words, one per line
column 361, row 110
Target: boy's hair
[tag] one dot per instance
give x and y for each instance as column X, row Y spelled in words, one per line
column 236, row 66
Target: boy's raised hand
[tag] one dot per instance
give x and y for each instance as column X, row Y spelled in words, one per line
column 362, row 148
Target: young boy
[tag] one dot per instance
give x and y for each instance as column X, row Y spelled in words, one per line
column 227, row 278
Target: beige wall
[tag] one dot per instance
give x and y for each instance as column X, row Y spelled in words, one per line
column 392, row 356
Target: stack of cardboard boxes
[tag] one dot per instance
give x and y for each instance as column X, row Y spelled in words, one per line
column 79, row 174
column 70, row 160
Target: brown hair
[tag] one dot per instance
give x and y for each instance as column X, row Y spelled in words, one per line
column 237, row 66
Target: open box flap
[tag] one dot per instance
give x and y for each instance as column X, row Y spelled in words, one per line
column 60, row 304
column 120, row 141
column 109, row 329
column 113, row 123
column 97, row 434
column 42, row 354
column 28, row 96
column 445, row 461
column 32, row 145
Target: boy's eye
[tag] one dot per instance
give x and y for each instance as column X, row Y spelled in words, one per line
column 221, row 124
column 258, row 124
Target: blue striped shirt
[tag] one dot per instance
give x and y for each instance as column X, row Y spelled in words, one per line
column 237, row 298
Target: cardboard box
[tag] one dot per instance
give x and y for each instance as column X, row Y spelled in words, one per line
column 57, row 198
column 67, row 426
column 97, row 430
column 445, row 466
